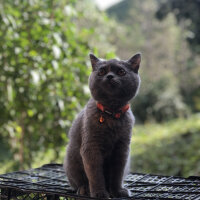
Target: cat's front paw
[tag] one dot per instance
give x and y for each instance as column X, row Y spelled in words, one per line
column 83, row 190
column 122, row 192
column 100, row 195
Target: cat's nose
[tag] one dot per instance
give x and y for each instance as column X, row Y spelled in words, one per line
column 109, row 76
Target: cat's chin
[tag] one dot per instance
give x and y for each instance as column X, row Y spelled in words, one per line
column 110, row 87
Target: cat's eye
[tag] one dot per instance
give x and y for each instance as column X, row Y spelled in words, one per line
column 102, row 71
column 121, row 72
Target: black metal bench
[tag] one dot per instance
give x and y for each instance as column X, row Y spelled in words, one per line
column 50, row 183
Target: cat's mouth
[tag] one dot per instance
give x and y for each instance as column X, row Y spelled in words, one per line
column 113, row 83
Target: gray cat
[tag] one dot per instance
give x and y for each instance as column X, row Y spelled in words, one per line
column 100, row 137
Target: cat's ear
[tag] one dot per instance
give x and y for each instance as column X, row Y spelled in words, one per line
column 134, row 62
column 93, row 60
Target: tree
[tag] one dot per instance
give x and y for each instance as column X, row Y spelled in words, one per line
column 164, row 56
column 44, row 69
column 187, row 12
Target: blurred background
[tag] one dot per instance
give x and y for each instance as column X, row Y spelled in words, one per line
column 44, row 69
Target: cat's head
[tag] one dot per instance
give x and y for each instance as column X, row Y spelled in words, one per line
column 114, row 81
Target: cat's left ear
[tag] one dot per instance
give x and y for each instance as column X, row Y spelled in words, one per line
column 93, row 60
column 134, row 61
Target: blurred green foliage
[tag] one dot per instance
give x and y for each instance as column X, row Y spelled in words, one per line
column 171, row 148
column 170, row 71
column 44, row 70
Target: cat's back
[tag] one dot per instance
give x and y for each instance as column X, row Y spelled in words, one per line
column 80, row 123
column 75, row 130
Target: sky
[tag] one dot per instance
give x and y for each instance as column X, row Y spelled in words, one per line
column 103, row 4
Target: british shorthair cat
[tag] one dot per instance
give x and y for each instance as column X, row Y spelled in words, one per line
column 98, row 151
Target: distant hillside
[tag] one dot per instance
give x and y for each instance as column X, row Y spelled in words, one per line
column 120, row 10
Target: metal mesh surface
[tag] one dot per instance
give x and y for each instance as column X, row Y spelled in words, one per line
column 50, row 183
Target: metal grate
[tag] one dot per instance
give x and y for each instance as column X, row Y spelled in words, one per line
column 50, row 183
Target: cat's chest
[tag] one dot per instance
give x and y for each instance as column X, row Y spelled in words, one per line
column 108, row 132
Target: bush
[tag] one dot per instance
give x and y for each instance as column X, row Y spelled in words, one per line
column 159, row 100
column 171, row 148
column 44, row 69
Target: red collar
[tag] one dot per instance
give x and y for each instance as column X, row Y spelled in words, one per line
column 106, row 110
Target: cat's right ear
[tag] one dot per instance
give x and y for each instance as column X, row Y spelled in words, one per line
column 93, row 60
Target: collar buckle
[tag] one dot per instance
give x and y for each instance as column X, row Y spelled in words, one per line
column 108, row 112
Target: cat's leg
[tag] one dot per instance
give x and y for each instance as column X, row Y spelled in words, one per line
column 93, row 165
column 118, row 164
column 106, row 167
column 75, row 172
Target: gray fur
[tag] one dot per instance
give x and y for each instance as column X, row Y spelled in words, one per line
column 97, row 153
